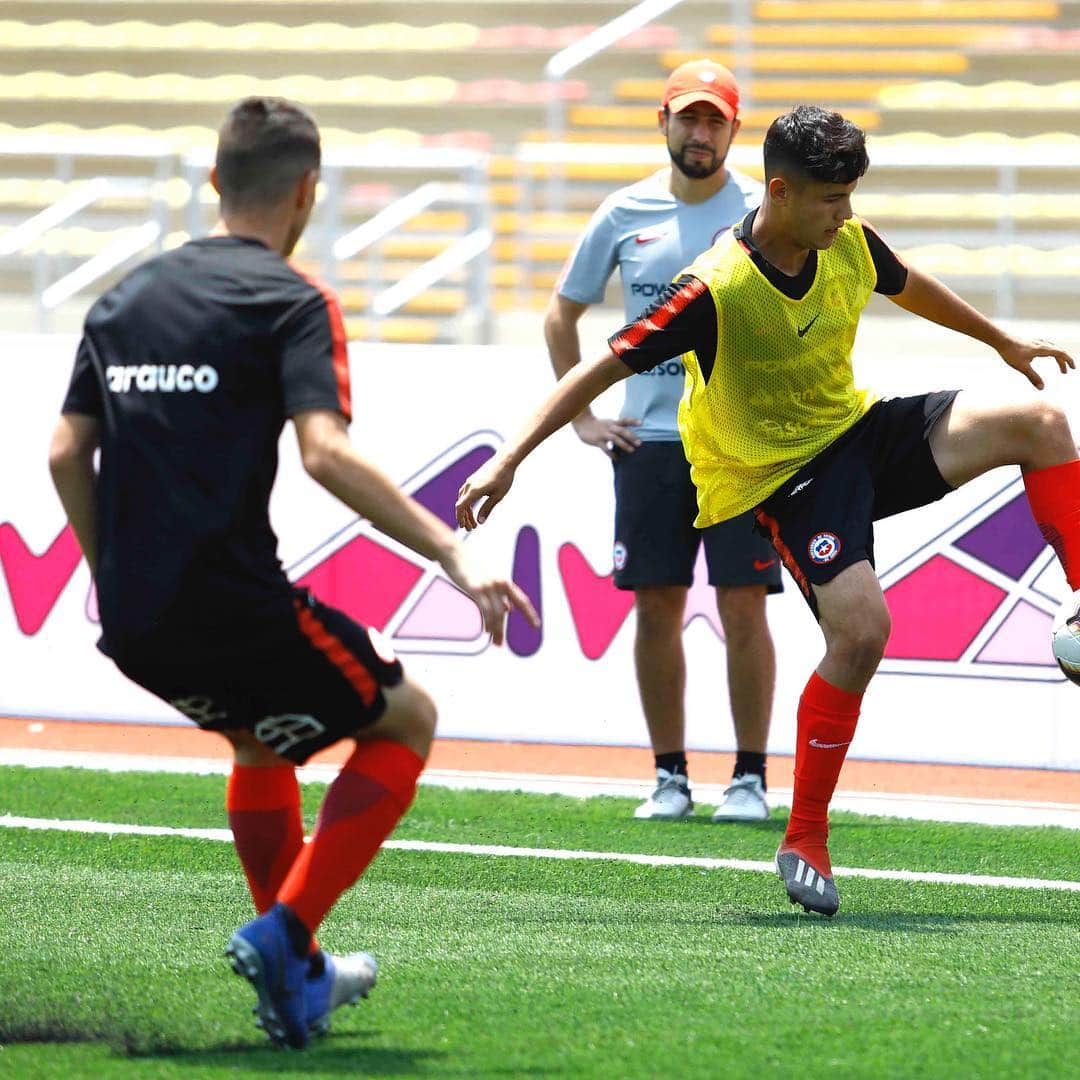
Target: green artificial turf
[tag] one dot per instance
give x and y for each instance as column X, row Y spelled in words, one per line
column 519, row 967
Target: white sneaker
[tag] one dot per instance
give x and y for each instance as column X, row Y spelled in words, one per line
column 744, row 800
column 670, row 801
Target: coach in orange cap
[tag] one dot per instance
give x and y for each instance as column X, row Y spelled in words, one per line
column 651, row 230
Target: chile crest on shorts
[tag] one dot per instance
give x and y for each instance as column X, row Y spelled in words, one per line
column 823, row 547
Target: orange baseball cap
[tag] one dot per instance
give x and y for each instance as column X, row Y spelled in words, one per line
column 701, row 80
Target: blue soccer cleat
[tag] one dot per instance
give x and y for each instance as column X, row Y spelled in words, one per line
column 263, row 953
column 334, row 981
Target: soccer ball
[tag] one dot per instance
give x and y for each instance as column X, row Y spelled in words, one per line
column 1066, row 643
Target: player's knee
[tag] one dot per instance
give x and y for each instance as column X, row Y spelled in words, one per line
column 861, row 642
column 660, row 608
column 1046, row 425
column 410, row 717
column 423, row 716
column 742, row 611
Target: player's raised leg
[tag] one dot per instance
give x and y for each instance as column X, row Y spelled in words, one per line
column 660, row 666
column 855, row 622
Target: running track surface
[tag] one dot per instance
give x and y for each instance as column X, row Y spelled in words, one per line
column 608, row 762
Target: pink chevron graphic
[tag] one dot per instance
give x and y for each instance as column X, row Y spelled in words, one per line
column 443, row 611
column 978, row 599
column 1021, row 638
column 596, row 606
column 363, row 579
column 964, row 604
column 35, row 582
column 381, row 584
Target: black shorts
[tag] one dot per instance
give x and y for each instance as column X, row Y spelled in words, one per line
column 821, row 520
column 656, row 543
column 317, row 681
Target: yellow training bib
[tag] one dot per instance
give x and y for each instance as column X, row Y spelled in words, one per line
column 780, row 387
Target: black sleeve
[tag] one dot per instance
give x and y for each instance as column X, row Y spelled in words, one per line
column 84, row 390
column 891, row 271
column 682, row 320
column 314, row 357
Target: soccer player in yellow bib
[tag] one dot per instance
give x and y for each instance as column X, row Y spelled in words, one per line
column 772, row 421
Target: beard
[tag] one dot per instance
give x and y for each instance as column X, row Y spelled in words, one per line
column 698, row 169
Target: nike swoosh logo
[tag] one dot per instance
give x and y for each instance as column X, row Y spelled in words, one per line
column 802, row 332
column 760, row 565
column 647, row 238
column 829, row 745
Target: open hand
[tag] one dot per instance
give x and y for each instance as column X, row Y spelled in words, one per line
column 495, row 597
column 1020, row 354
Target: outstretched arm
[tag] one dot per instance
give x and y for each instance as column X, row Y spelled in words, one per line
column 331, row 459
column 574, row 392
column 926, row 296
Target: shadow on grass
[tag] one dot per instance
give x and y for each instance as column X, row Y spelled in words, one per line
column 896, row 922
column 344, row 1054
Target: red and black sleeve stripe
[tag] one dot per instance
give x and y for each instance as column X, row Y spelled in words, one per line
column 682, row 320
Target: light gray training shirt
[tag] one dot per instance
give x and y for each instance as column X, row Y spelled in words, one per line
column 651, row 236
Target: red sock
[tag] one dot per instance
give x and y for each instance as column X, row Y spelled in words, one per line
column 827, row 719
column 360, row 810
column 264, row 815
column 1054, row 495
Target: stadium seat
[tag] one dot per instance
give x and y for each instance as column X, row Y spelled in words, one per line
column 623, row 116
column 834, row 62
column 832, row 35
column 995, row 96
column 896, row 10
column 407, row 331
column 766, row 89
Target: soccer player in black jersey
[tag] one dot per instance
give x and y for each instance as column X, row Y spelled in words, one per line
column 184, row 378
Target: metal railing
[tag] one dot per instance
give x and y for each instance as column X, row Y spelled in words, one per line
column 27, row 241
column 611, row 33
column 145, row 224
column 1003, row 165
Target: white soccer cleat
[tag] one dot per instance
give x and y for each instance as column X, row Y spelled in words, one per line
column 1065, row 637
column 342, row 980
column 670, row 801
column 744, row 800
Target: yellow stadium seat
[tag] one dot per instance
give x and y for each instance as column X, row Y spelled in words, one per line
column 829, row 62
column 405, row 331
column 317, row 37
column 895, row 10
column 437, row 300
column 834, row 36
column 785, row 90
column 968, row 207
column 312, row 90
column 631, row 116
column 994, row 96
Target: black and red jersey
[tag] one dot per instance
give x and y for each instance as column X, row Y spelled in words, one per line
column 192, row 363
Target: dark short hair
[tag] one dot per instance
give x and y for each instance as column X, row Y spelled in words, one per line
column 815, row 143
column 264, row 147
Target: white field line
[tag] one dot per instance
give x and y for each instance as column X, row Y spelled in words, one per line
column 9, row 821
column 879, row 803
